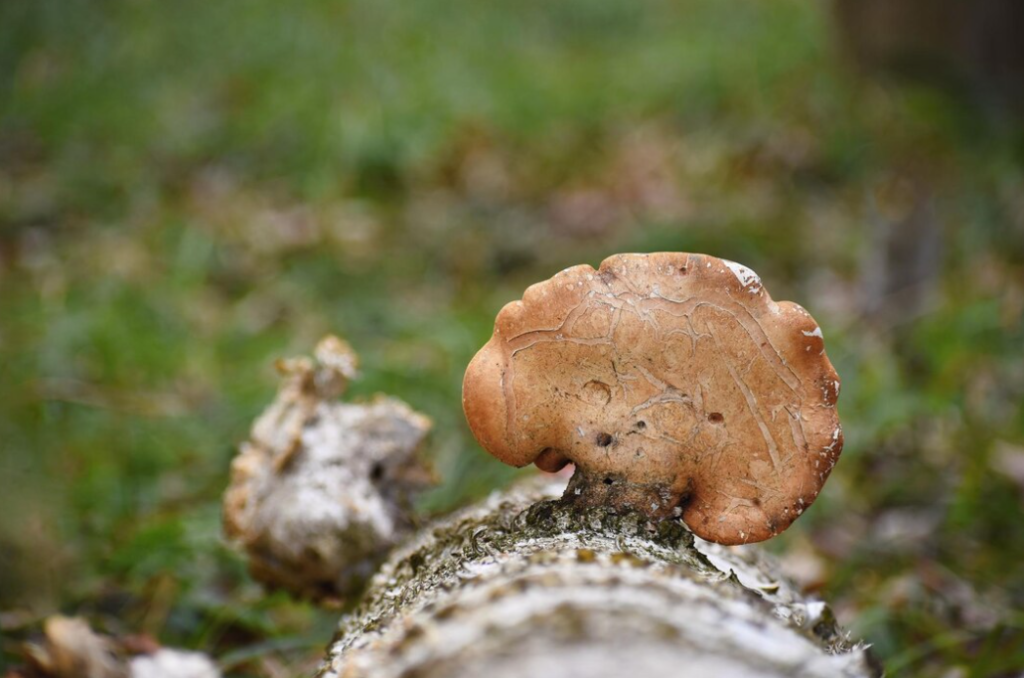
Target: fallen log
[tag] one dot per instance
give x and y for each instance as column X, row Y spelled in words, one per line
column 524, row 585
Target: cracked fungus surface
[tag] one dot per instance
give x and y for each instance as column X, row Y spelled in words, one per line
column 674, row 383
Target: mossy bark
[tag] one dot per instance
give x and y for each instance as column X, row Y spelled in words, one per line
column 525, row 585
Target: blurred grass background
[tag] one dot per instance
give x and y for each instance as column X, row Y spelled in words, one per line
column 190, row 190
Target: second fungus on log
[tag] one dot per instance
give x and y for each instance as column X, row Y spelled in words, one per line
column 323, row 489
column 676, row 386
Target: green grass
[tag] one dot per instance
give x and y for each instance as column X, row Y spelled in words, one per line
column 190, row 190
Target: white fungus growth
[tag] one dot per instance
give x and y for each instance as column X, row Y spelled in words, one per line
column 322, row 488
column 747, row 277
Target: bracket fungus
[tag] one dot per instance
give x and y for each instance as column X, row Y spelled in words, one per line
column 675, row 385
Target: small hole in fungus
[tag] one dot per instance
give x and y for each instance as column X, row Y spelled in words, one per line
column 682, row 270
column 377, row 471
column 604, row 439
column 608, row 481
column 716, row 418
column 641, row 425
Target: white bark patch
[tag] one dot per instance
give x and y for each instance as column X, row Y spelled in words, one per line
column 167, row 663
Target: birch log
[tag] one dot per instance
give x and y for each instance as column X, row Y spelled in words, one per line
column 523, row 585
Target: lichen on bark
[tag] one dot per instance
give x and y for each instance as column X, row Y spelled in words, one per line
column 523, row 585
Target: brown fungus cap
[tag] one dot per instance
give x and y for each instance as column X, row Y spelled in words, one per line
column 675, row 385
